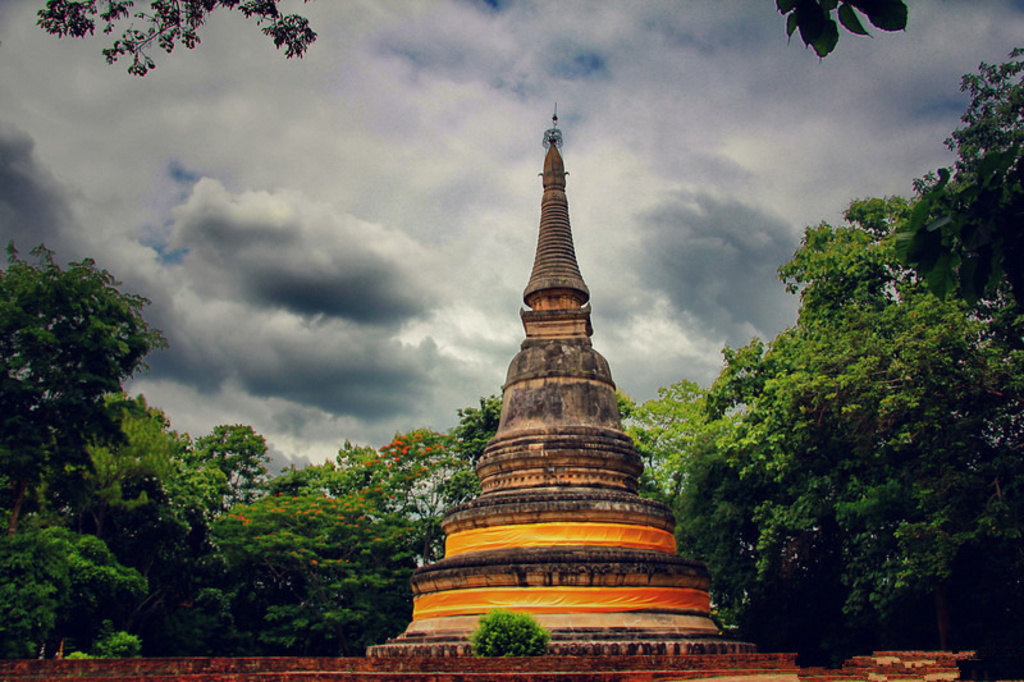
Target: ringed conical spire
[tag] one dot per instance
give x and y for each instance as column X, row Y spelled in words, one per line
column 558, row 530
column 556, row 281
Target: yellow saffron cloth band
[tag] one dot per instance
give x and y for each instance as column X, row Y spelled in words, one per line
column 562, row 599
column 554, row 534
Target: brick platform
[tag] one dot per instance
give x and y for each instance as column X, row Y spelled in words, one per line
column 883, row 666
column 746, row 667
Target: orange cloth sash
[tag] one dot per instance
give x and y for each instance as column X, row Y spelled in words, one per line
column 561, row 599
column 554, row 534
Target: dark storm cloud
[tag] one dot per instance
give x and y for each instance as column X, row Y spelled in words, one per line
column 282, row 298
column 353, row 372
column 373, row 381
column 717, row 260
column 275, row 252
column 32, row 207
column 364, row 291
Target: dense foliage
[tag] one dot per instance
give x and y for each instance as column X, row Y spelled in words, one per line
column 966, row 234
column 508, row 633
column 68, row 337
column 856, row 483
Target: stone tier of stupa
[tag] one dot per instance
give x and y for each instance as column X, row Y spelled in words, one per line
column 558, row 530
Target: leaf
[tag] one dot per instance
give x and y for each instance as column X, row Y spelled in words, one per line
column 975, row 272
column 811, row 20
column 848, row 18
column 941, row 278
column 925, row 248
column 939, row 223
column 785, row 6
column 995, row 162
column 826, row 41
column 888, row 15
column 791, row 24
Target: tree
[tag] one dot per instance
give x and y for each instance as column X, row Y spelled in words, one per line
column 818, row 30
column 666, row 431
column 476, row 427
column 167, row 24
column 416, row 476
column 151, row 495
column 241, row 455
column 33, row 579
column 861, row 470
column 147, row 449
column 679, row 440
column 57, row 586
column 316, row 575
column 965, row 234
column 881, row 435
column 67, row 339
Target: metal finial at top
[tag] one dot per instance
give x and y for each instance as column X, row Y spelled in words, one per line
column 553, row 135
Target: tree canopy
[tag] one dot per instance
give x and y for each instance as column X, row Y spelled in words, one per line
column 862, row 469
column 68, row 337
column 965, row 234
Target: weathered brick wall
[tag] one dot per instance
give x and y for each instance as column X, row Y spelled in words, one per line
column 883, row 666
column 540, row 669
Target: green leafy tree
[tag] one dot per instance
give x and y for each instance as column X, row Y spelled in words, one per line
column 33, row 576
column 148, row 449
column 508, row 633
column 476, row 427
column 167, row 24
column 67, row 339
column 667, row 431
column 152, row 495
column 965, row 234
column 680, row 440
column 57, row 586
column 819, row 30
column 241, row 454
column 877, row 442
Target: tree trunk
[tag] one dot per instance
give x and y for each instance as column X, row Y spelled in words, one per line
column 19, row 496
column 942, row 614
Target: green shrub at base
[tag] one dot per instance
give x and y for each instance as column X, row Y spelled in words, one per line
column 504, row 633
column 116, row 643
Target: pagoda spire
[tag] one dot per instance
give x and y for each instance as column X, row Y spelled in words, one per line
column 556, row 282
column 558, row 529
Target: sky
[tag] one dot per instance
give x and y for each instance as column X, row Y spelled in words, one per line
column 336, row 247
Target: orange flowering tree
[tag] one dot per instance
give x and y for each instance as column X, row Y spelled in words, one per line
column 417, row 476
column 321, row 565
column 314, row 574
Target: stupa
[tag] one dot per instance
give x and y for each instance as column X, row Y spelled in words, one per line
column 558, row 530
